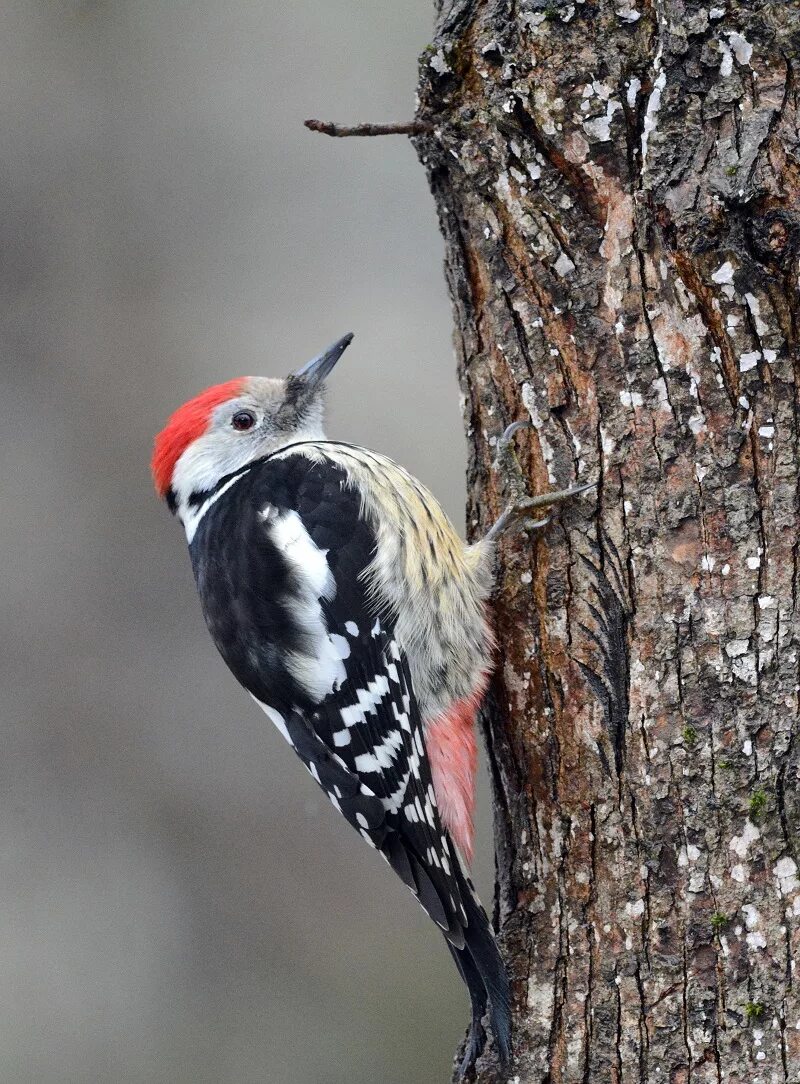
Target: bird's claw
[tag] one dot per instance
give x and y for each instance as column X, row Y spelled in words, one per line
column 510, row 430
column 517, row 514
column 505, row 462
column 473, row 1048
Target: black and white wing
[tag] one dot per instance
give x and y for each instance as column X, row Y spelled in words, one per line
column 373, row 724
column 298, row 626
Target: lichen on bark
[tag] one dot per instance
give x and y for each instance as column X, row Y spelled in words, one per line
column 618, row 185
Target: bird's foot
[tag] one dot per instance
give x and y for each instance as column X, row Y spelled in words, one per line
column 473, row 1048
column 517, row 514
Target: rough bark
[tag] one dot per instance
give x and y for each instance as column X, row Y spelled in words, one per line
column 618, row 186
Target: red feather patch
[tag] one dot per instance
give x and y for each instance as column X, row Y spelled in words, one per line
column 187, row 424
column 453, row 756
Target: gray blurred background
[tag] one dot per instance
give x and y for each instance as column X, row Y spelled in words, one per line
column 179, row 903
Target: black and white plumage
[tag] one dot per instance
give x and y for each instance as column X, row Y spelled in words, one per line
column 279, row 561
column 342, row 600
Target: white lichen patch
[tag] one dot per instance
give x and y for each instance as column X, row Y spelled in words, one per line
column 636, row 909
column 785, row 872
column 697, row 422
column 723, row 274
column 749, row 360
column 754, row 306
column 653, row 105
column 634, row 85
column 751, row 916
column 697, row 881
column 735, row 648
column 659, row 386
column 599, row 128
column 694, row 381
column 742, row 49
column 529, row 400
column 745, row 669
column 752, row 919
column 532, row 19
column 741, row 844
column 563, row 265
column 439, row 63
column 726, row 64
column 631, row 398
column 738, row 873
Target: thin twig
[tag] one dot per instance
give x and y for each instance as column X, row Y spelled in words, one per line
column 414, row 127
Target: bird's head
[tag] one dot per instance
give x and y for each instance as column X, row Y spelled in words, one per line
column 228, row 425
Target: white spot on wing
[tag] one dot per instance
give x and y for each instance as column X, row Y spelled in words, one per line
column 321, row 669
column 290, row 536
column 340, row 645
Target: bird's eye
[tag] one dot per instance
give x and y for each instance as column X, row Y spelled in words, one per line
column 243, row 420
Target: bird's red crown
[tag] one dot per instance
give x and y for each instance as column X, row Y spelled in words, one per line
column 188, row 423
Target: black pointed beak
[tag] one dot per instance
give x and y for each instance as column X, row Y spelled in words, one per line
column 315, row 371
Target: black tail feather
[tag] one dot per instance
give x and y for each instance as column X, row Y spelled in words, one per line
column 476, row 1036
column 484, row 973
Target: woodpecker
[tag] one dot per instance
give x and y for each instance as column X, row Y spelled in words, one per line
column 343, row 600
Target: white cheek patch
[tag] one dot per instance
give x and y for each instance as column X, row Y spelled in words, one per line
column 204, row 462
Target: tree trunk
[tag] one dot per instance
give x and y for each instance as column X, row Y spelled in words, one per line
column 619, row 192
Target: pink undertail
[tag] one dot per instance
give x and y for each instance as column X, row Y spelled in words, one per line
column 453, row 756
